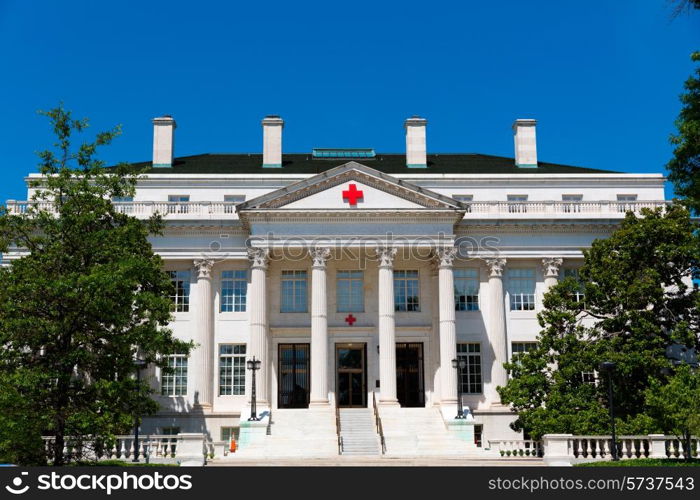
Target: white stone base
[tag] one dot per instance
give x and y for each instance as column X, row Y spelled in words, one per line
column 190, row 449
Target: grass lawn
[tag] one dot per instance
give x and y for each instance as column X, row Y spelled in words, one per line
column 645, row 462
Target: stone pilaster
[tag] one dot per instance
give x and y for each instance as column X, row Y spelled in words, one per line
column 496, row 325
column 319, row 327
column 203, row 354
column 259, row 342
column 387, row 327
column 550, row 267
column 448, row 330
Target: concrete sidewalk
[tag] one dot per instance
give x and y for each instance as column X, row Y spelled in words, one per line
column 356, row 461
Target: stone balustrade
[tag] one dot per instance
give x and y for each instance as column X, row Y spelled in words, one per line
column 517, row 448
column 217, row 210
column 567, row 449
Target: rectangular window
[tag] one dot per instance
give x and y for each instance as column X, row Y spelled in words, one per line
column 406, row 291
column 588, row 378
column 174, row 382
column 466, row 282
column 178, row 204
column 294, row 296
column 230, row 202
column 234, row 288
column 231, row 369
column 465, row 198
column 229, row 432
column 349, row 289
column 517, row 203
column 518, row 347
column 626, row 202
column 181, row 281
column 471, row 375
column 522, row 289
column 573, row 273
column 572, row 202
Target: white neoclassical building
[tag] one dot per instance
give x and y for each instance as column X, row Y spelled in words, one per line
column 356, row 278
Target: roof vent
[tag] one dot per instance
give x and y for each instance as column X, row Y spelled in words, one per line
column 334, row 153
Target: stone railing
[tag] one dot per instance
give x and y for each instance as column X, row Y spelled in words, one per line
column 567, row 449
column 517, row 448
column 474, row 210
column 184, row 449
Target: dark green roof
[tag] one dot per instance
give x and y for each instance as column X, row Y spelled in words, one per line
column 387, row 163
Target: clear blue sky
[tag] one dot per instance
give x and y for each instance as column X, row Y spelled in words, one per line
column 601, row 77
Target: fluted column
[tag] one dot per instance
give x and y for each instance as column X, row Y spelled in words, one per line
column 203, row 353
column 387, row 327
column 259, row 343
column 319, row 327
column 550, row 266
column 448, row 329
column 497, row 327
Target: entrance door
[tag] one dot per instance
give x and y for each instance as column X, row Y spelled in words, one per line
column 293, row 389
column 409, row 374
column 351, row 378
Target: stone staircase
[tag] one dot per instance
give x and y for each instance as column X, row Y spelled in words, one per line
column 308, row 432
column 357, row 429
column 412, row 432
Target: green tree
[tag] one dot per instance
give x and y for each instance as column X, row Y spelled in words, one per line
column 88, row 296
column 637, row 300
column 676, row 404
column 684, row 168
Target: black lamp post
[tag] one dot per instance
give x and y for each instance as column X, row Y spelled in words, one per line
column 460, row 365
column 139, row 364
column 253, row 365
column 609, row 367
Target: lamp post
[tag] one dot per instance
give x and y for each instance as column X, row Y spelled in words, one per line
column 609, row 367
column 460, row 365
column 139, row 364
column 253, row 365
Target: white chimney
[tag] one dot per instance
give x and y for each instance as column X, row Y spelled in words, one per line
column 272, row 141
column 163, row 141
column 415, row 142
column 525, row 143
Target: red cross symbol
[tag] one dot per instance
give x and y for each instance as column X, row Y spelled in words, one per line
column 350, row 319
column 352, row 195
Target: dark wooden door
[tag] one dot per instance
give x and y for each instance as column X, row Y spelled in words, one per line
column 293, row 388
column 410, row 389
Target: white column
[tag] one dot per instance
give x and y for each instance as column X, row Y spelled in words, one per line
column 387, row 327
column 550, row 266
column 448, row 329
column 258, row 346
column 497, row 327
column 319, row 327
column 203, row 354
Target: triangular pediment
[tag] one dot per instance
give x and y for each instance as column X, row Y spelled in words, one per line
column 352, row 186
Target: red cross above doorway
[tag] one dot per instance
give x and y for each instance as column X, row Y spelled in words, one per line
column 352, row 195
column 350, row 319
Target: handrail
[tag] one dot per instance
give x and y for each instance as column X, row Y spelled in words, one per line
column 378, row 420
column 268, row 431
column 337, row 430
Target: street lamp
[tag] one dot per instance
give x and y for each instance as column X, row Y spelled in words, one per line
column 460, row 365
column 253, row 365
column 139, row 364
column 609, row 367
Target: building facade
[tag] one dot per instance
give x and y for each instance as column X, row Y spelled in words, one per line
column 356, row 278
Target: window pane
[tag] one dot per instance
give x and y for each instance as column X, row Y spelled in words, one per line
column 521, row 284
column 232, row 369
column 406, row 290
column 293, row 291
column 471, row 375
column 234, row 288
column 181, row 298
column 466, row 289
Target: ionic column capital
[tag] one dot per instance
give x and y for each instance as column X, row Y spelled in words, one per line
column 551, row 266
column 203, row 267
column 259, row 257
column 496, row 267
column 445, row 256
column 386, row 255
column 320, row 256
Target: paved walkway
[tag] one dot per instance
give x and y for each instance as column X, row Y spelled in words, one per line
column 355, row 461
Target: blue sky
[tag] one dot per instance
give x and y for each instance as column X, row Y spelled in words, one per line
column 601, row 77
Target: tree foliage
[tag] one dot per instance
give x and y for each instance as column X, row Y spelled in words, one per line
column 88, row 296
column 637, row 300
column 684, row 168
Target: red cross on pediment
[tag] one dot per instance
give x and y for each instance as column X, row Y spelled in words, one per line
column 352, row 195
column 350, row 319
